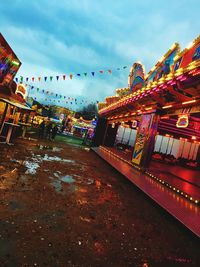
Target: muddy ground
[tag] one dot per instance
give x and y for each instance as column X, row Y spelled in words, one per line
column 61, row 205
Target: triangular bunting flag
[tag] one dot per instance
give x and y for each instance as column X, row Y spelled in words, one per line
column 124, row 67
column 27, row 79
column 71, row 76
column 92, row 73
column 101, row 71
column 78, row 74
column 64, row 76
column 51, row 78
column 33, row 79
column 85, row 73
column 57, row 77
column 39, row 78
column 45, row 79
column 16, row 79
column 110, row 71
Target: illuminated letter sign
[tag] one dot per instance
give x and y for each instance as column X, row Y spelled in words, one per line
column 134, row 124
column 182, row 121
column 21, row 90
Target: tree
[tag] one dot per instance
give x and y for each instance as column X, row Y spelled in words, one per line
column 87, row 112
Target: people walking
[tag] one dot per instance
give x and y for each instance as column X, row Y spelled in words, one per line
column 41, row 129
column 49, row 130
column 54, row 132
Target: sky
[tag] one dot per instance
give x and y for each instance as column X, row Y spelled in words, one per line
column 52, row 37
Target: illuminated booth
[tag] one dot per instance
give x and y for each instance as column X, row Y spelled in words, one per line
column 157, row 118
column 14, row 111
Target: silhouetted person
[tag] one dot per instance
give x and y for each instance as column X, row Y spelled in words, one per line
column 54, row 132
column 49, row 130
column 41, row 130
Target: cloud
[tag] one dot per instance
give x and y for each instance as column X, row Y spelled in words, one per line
column 63, row 37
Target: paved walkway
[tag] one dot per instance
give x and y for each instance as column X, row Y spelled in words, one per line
column 179, row 207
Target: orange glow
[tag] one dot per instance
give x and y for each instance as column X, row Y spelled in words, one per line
column 182, row 121
column 188, row 102
column 169, row 106
column 194, row 138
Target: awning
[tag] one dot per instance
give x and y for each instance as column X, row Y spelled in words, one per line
column 15, row 104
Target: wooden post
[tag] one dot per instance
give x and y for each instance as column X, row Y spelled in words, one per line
column 3, row 118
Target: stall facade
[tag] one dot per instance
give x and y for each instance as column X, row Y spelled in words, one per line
column 14, row 111
column 156, row 119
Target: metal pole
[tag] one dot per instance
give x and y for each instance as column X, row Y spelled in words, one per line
column 3, row 118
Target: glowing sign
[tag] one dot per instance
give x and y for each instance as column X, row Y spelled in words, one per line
column 182, row 121
column 21, row 90
column 134, row 124
column 9, row 63
column 136, row 77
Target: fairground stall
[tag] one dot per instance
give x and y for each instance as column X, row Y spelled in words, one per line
column 14, row 112
column 154, row 122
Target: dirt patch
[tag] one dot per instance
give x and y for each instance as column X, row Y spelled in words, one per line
column 66, row 207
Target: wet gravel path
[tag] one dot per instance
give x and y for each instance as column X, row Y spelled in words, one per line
column 62, row 206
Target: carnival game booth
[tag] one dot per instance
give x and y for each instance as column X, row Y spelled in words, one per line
column 83, row 128
column 156, row 126
column 14, row 111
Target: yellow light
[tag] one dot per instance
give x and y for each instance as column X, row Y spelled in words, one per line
column 190, row 45
column 169, row 106
column 188, row 102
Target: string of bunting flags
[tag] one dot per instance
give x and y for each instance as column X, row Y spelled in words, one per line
column 63, row 77
column 59, row 97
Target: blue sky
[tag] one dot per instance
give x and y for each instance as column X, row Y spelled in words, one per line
column 62, row 37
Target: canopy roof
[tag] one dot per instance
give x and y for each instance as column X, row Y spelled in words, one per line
column 15, row 104
column 174, row 81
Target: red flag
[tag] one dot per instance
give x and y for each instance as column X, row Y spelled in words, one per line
column 33, row 79
column 101, row 71
column 64, row 76
column 71, row 76
column 39, row 78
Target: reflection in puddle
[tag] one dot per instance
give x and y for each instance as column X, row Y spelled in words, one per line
column 67, row 179
column 31, row 167
column 55, row 158
column 33, row 164
column 58, row 184
column 15, row 205
column 55, row 149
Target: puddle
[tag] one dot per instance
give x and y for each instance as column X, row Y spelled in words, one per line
column 54, row 149
column 90, row 181
column 15, row 205
column 58, row 184
column 67, row 179
column 55, row 158
column 57, row 149
column 33, row 164
column 31, row 167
